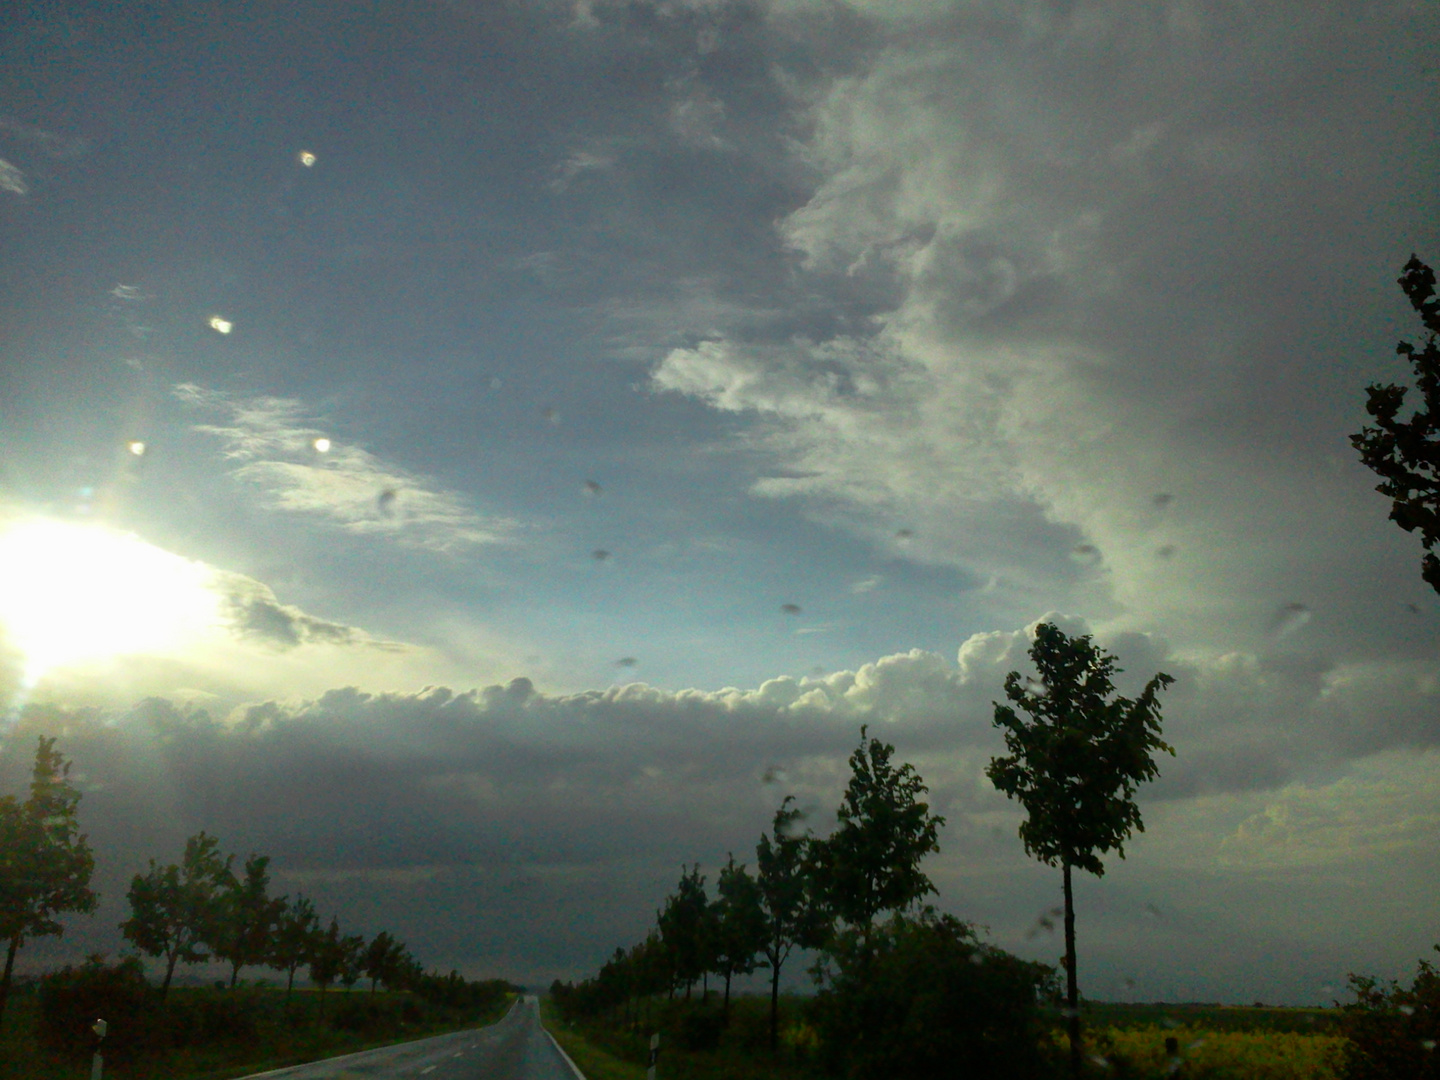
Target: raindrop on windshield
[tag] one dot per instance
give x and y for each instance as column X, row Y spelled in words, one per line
column 790, row 609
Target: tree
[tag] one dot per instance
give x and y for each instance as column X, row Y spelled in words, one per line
column 787, row 898
column 871, row 863
column 246, row 918
column 173, row 909
column 739, row 925
column 1406, row 453
column 293, row 941
column 327, row 959
column 383, row 959
column 45, row 861
column 685, row 929
column 352, row 960
column 1074, row 766
column 932, row 1000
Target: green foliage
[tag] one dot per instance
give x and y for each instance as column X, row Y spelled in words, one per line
column 45, row 861
column 1394, row 1031
column 871, row 863
column 327, row 956
column 174, row 909
column 384, row 961
column 924, row 998
column 293, row 940
column 686, row 929
column 1074, row 765
column 739, row 923
column 74, row 997
column 245, row 917
column 787, row 897
column 1406, row 453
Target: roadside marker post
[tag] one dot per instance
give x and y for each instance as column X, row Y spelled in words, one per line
column 654, row 1056
column 97, row 1063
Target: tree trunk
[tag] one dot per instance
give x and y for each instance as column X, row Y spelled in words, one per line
column 726, row 1010
column 234, row 975
column 170, row 962
column 774, row 1005
column 1072, row 992
column 5, row 979
column 705, row 988
column 290, row 985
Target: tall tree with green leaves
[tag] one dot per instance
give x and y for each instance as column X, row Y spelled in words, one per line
column 352, row 960
column 174, row 908
column 685, row 928
column 293, row 941
column 788, row 899
column 871, row 862
column 45, row 861
column 327, row 958
column 739, row 924
column 1406, row 453
column 247, row 918
column 383, row 958
column 1074, row 765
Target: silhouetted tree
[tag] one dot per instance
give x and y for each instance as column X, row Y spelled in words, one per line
column 45, row 861
column 383, row 958
column 352, row 960
column 871, row 863
column 787, row 898
column 293, row 941
column 685, row 928
column 1406, row 453
column 174, row 909
column 247, row 917
column 739, row 924
column 327, row 958
column 1074, row 766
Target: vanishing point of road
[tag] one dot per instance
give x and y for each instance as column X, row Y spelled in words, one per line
column 516, row 1048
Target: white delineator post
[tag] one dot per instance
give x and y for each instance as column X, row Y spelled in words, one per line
column 654, row 1056
column 97, row 1063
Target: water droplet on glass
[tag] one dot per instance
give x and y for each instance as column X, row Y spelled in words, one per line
column 1288, row 619
column 1428, row 1044
column 774, row 775
column 219, row 325
column 1414, row 609
column 626, row 661
column 1408, row 1010
column 322, row 445
column 1152, row 911
column 1165, row 552
column 136, row 447
column 599, row 554
column 127, row 292
column 790, row 609
column 306, row 158
column 904, row 534
column 551, row 414
column 386, row 501
column 1161, row 498
column 592, row 488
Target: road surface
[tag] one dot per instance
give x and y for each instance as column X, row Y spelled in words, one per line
column 517, row 1048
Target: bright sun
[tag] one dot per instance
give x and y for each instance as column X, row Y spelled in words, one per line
column 74, row 593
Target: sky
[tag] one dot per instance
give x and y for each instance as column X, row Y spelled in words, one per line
column 485, row 454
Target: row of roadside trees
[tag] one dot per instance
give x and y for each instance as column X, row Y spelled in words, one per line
column 1075, row 761
column 199, row 909
column 194, row 911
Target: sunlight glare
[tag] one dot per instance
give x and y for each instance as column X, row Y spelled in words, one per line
column 73, row 593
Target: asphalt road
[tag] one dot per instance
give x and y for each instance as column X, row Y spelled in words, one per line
column 516, row 1048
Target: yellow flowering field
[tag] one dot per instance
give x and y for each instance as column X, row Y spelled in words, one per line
column 1220, row 1055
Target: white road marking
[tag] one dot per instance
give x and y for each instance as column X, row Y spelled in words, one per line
column 428, row 1068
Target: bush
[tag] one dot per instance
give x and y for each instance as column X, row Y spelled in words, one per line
column 212, row 1016
column 927, row 998
column 1393, row 1031
column 73, row 998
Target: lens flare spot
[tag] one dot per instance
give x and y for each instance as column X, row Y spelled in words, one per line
column 221, row 325
column 322, row 445
column 306, row 158
column 136, row 447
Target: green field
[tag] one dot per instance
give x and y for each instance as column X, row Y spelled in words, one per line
column 1122, row 1040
